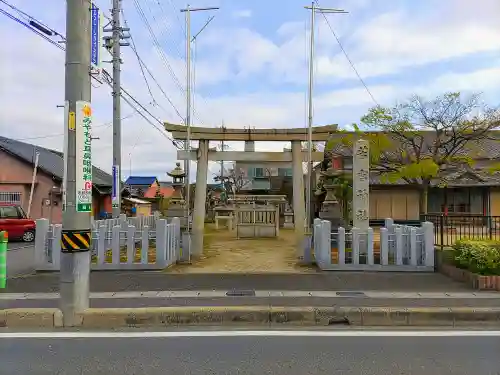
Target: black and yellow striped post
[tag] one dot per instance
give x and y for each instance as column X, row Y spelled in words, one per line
column 75, row 241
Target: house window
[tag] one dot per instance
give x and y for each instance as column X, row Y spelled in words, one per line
column 10, row 197
column 259, row 172
column 284, row 171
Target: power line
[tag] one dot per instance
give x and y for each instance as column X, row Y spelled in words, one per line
column 105, row 125
column 107, row 76
column 143, row 66
column 347, row 57
column 156, row 43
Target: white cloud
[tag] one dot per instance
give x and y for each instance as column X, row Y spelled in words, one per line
column 32, row 79
column 242, row 13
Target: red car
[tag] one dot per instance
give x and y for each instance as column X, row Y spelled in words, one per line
column 14, row 221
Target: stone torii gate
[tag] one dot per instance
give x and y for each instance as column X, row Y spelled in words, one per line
column 202, row 155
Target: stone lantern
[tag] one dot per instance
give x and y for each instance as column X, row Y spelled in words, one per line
column 178, row 176
column 330, row 209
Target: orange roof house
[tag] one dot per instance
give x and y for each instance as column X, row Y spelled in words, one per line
column 166, row 191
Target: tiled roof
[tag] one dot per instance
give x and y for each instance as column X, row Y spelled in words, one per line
column 50, row 161
column 165, row 191
column 140, row 180
column 479, row 149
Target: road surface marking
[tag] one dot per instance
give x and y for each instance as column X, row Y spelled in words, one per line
column 298, row 333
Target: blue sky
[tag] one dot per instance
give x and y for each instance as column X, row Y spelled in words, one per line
column 251, row 67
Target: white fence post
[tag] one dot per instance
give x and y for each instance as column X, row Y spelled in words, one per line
column 428, row 243
column 55, row 250
column 341, row 245
column 176, row 222
column 370, row 257
column 316, row 237
column 115, row 244
column 355, row 245
column 130, row 244
column 398, row 244
column 161, row 242
column 326, row 243
column 145, row 245
column 413, row 246
column 42, row 231
column 384, row 246
column 102, row 244
column 389, row 224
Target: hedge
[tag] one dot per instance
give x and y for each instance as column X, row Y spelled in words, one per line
column 478, row 256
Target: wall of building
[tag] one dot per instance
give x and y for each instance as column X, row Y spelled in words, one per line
column 16, row 176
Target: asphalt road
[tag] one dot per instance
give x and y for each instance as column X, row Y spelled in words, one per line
column 218, row 353
column 20, row 259
column 120, row 281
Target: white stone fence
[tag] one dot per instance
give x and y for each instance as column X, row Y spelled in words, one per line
column 116, row 244
column 400, row 248
column 137, row 221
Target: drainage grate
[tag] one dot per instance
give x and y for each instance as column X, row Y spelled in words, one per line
column 351, row 294
column 240, row 293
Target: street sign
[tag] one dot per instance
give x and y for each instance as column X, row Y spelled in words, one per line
column 116, row 185
column 65, row 153
column 83, row 156
column 95, row 39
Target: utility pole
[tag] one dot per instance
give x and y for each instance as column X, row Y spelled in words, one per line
column 314, row 9
column 115, row 43
column 77, row 182
column 187, row 143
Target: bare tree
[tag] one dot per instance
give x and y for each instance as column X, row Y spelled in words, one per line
column 232, row 182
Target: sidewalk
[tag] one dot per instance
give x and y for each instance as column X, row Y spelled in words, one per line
column 209, row 298
column 110, row 281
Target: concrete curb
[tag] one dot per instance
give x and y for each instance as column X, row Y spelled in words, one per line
column 149, row 317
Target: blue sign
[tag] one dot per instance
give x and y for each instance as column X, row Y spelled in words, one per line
column 94, row 37
column 115, row 178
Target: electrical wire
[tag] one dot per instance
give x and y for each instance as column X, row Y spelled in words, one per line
column 144, row 67
column 106, row 75
column 156, row 43
column 347, row 57
column 32, row 29
column 105, row 125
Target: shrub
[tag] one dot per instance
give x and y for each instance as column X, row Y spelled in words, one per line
column 478, row 256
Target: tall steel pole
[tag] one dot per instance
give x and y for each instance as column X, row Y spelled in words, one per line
column 117, row 36
column 187, row 144
column 310, row 108
column 310, row 120
column 77, row 185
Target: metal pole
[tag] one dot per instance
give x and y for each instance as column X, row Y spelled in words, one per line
column 313, row 9
column 117, row 123
column 222, row 161
column 77, row 195
column 187, row 145
column 37, row 157
column 310, row 121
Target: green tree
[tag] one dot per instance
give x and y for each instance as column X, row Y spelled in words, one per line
column 417, row 140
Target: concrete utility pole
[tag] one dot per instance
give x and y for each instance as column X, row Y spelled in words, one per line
column 187, row 144
column 77, row 190
column 117, row 43
column 314, row 9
